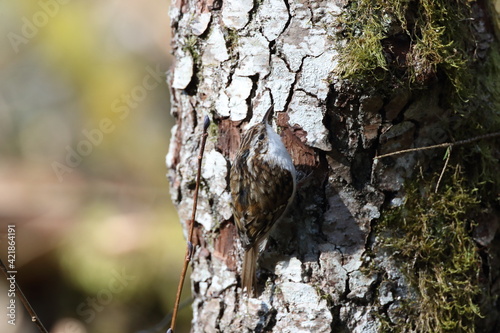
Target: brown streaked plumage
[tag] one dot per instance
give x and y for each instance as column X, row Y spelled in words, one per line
column 262, row 182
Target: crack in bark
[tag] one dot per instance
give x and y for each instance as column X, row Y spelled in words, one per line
column 267, row 319
column 287, row 5
column 295, row 80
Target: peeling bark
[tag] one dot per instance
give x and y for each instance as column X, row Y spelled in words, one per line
column 313, row 276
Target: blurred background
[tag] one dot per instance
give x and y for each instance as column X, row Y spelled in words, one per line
column 84, row 130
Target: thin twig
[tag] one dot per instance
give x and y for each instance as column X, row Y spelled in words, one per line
column 189, row 249
column 448, row 154
column 442, row 145
column 160, row 327
column 24, row 300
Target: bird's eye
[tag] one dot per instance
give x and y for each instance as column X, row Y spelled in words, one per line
column 261, row 136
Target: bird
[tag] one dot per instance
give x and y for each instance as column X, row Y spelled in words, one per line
column 263, row 185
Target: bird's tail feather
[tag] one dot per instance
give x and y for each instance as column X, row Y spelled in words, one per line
column 248, row 272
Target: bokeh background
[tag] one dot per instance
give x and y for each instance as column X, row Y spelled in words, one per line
column 84, row 130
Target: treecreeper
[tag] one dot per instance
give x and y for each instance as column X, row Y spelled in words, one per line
column 263, row 184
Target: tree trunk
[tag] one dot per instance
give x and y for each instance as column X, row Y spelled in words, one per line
column 336, row 262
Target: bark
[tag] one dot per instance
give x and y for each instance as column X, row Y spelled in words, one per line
column 322, row 270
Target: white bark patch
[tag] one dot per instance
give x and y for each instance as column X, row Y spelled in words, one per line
column 259, row 109
column 353, row 261
column 200, row 23
column 169, row 159
column 224, row 210
column 221, row 281
column 330, row 261
column 222, row 105
column 187, row 168
column 174, row 11
column 308, row 312
column 235, row 13
column 183, row 71
column 372, row 211
column 215, row 51
column 291, row 269
column 238, row 92
column 343, row 230
column 201, row 275
column 314, row 75
column 214, row 171
column 304, row 112
column 226, row 323
column 203, row 215
column 250, row 307
column 308, row 46
column 302, row 38
column 280, row 82
column 210, row 314
column 385, row 295
column 215, row 78
column 360, row 319
column 273, row 15
column 254, row 56
column 359, row 284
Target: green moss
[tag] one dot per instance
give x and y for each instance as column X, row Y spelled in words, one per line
column 407, row 42
column 323, row 295
column 213, row 131
column 413, row 44
column 232, row 38
column 430, row 235
column 478, row 116
column 410, row 43
column 363, row 53
column 191, row 46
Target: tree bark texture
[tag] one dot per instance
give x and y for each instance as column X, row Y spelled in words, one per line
column 322, row 270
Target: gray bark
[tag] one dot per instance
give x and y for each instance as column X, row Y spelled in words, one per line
column 314, row 274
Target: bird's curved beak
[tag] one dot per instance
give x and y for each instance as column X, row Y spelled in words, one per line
column 267, row 117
